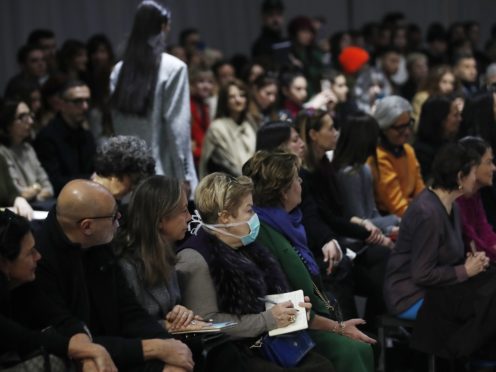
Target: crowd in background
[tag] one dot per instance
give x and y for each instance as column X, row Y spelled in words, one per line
column 347, row 148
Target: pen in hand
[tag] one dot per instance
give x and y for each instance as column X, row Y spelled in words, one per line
column 270, row 301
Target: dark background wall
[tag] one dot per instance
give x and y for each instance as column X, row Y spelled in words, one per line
column 229, row 25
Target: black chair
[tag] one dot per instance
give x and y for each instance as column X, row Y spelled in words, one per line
column 386, row 323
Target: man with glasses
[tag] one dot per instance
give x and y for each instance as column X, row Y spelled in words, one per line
column 65, row 147
column 79, row 274
column 396, row 170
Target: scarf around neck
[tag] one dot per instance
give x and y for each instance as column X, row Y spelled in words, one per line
column 290, row 225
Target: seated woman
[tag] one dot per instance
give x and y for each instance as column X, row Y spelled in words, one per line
column 25, row 169
column 428, row 268
column 230, row 139
column 395, row 169
column 158, row 218
column 476, row 230
column 277, row 194
column 223, row 273
column 19, row 343
column 357, row 142
column 439, row 124
column 263, row 92
column 324, row 219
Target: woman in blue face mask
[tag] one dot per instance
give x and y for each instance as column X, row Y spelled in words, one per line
column 223, row 273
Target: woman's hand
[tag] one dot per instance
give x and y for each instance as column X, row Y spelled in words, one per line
column 476, row 263
column 179, row 317
column 332, row 255
column 30, row 192
column 284, row 313
column 22, row 208
column 307, row 305
column 350, row 330
column 93, row 357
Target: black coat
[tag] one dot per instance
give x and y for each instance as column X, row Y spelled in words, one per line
column 23, row 312
column 65, row 153
column 89, row 286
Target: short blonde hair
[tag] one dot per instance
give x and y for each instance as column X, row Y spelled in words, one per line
column 219, row 192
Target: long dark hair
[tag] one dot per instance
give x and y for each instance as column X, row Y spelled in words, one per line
column 431, row 123
column 223, row 101
column 7, row 117
column 357, row 141
column 305, row 121
column 155, row 198
column 138, row 76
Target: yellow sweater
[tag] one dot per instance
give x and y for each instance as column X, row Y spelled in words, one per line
column 396, row 180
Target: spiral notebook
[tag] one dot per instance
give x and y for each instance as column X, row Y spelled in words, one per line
column 301, row 318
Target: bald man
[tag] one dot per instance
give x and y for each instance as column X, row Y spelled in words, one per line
column 79, row 274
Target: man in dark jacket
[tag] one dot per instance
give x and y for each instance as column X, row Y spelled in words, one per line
column 79, row 274
column 64, row 147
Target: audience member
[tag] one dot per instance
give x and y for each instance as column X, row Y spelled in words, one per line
column 418, row 69
column 440, row 82
column 280, row 135
column 201, row 84
column 28, row 91
column 224, row 263
column 430, row 278
column 121, row 164
column 45, row 39
column 437, row 45
column 277, row 194
column 476, row 230
column 465, row 69
column 324, row 220
column 264, row 46
column 18, row 261
column 65, row 147
column 396, row 171
column 357, row 142
column 73, row 59
column 33, row 66
column 230, row 140
column 343, row 105
column 79, row 274
column 25, row 170
column 151, row 95
column 439, row 124
column 294, row 92
column 100, row 63
column 263, row 97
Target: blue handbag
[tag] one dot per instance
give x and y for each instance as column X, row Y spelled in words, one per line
column 286, row 350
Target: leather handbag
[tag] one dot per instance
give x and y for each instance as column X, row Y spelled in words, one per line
column 286, row 350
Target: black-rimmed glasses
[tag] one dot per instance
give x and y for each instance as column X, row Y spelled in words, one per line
column 114, row 216
column 403, row 127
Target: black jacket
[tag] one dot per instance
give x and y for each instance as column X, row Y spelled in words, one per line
column 65, row 153
column 89, row 286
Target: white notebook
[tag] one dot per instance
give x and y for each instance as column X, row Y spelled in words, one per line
column 301, row 319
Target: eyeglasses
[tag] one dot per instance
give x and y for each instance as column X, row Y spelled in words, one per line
column 114, row 216
column 78, row 101
column 403, row 127
column 25, row 117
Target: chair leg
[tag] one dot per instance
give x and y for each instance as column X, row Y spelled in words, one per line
column 432, row 363
column 382, row 356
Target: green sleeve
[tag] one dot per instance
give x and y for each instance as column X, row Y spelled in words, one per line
column 292, row 266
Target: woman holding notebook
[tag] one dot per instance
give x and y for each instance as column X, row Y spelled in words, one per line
column 224, row 274
column 277, row 194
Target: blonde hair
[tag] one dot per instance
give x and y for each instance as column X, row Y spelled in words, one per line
column 219, row 192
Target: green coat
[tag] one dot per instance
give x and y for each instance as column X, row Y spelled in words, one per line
column 347, row 355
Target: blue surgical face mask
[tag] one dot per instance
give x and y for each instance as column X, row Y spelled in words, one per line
column 253, row 223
